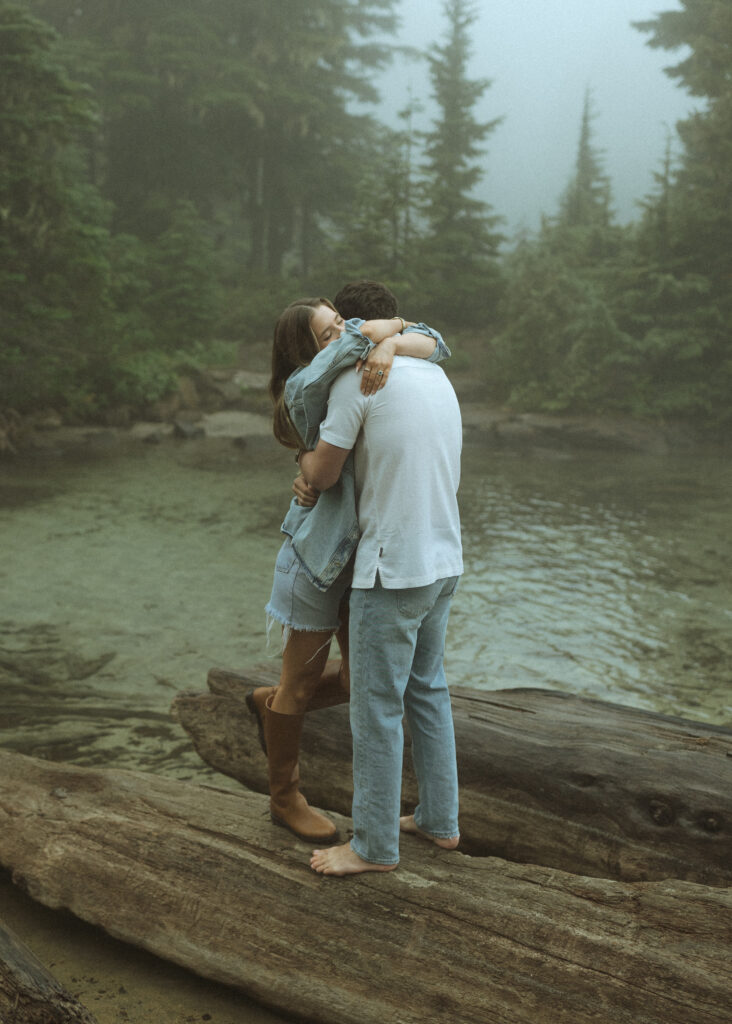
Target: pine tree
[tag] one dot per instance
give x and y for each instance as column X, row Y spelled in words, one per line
column 373, row 241
column 563, row 346
column 655, row 234
column 183, row 301
column 694, row 260
column 239, row 106
column 302, row 157
column 458, row 255
column 54, row 258
column 586, row 201
column 704, row 177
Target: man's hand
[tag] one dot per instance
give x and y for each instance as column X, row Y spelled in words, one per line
column 305, row 494
column 377, row 365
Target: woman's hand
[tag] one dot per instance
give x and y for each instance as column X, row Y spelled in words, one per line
column 376, row 366
column 305, row 494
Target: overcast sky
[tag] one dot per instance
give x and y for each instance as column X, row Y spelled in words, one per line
column 541, row 56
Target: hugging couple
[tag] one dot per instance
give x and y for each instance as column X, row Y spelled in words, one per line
column 372, row 554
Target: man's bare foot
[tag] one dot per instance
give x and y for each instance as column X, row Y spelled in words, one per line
column 408, row 824
column 341, row 860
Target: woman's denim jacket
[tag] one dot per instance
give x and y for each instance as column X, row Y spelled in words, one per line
column 325, row 536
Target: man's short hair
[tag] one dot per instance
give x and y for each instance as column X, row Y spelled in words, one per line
column 369, row 300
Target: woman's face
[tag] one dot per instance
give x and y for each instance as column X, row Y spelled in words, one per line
column 327, row 325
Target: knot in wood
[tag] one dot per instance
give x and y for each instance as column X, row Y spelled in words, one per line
column 661, row 812
column 711, row 822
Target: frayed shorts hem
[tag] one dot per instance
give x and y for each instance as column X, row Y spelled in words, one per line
column 275, row 616
column 288, row 630
column 296, row 603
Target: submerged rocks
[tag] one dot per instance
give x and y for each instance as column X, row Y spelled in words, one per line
column 234, row 404
column 187, row 430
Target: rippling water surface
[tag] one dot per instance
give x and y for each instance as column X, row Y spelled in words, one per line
column 599, row 574
column 128, row 572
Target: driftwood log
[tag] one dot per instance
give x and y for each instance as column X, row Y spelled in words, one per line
column 29, row 994
column 545, row 777
column 203, row 878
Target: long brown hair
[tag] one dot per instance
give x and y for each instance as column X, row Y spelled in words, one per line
column 294, row 345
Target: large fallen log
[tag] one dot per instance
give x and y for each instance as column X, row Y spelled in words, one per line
column 29, row 993
column 545, row 777
column 201, row 877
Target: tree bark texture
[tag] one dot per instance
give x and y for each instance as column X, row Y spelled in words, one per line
column 203, row 878
column 29, row 994
column 545, row 777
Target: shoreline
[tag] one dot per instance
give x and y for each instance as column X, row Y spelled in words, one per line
column 233, row 404
column 494, row 427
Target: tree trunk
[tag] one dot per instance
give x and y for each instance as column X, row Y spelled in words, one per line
column 203, row 878
column 29, row 994
column 545, row 777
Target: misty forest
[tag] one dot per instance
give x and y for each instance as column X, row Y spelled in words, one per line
column 171, row 174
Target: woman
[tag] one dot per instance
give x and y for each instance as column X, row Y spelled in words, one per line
column 312, row 346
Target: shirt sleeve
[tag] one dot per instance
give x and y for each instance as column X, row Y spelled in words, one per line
column 346, row 411
column 441, row 350
column 306, row 390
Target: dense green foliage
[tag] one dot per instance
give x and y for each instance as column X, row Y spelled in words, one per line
column 54, row 247
column 172, row 174
column 166, row 169
column 636, row 319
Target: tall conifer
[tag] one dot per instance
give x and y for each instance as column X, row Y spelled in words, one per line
column 703, row 182
column 54, row 246
column 458, row 258
column 586, row 201
column 697, row 261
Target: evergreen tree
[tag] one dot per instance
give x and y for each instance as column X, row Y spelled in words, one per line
column 303, row 158
column 563, row 346
column 586, row 202
column 183, row 300
column 703, row 181
column 239, row 106
column 373, row 240
column 54, row 261
column 458, row 256
column 655, row 234
column 690, row 265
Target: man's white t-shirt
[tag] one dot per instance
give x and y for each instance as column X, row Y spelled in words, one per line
column 407, row 439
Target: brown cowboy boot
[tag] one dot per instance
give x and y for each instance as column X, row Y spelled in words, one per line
column 330, row 692
column 288, row 807
column 256, row 701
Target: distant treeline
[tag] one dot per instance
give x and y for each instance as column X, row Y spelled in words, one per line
column 171, row 174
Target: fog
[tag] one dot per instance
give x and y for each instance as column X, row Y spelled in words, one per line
column 542, row 55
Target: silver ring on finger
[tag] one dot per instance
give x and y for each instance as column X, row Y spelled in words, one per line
column 379, row 373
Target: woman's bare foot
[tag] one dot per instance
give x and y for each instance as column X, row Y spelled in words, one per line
column 341, row 860
column 407, row 824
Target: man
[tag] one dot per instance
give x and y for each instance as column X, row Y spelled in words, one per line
column 407, row 441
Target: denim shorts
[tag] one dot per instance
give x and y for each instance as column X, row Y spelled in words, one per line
column 296, row 603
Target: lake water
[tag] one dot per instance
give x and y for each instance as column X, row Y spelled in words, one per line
column 129, row 570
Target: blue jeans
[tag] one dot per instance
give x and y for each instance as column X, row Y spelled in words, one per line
column 397, row 642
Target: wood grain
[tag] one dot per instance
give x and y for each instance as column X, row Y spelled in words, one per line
column 202, row 878
column 545, row 777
